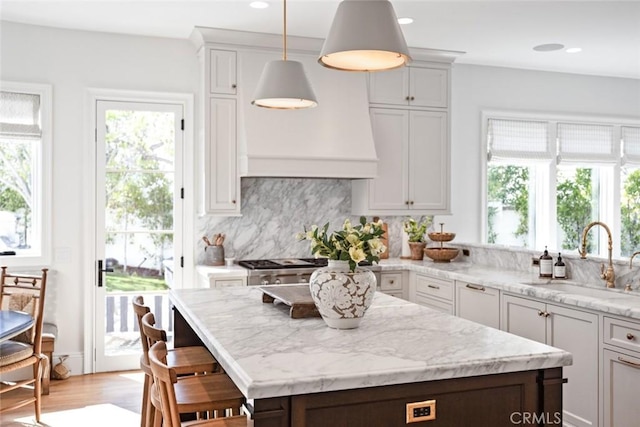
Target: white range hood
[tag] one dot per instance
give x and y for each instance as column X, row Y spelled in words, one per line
column 332, row 140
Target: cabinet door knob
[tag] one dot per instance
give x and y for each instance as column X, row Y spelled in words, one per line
column 540, row 313
column 630, row 337
column 407, row 98
column 233, row 86
column 233, row 201
column 413, row 98
column 411, row 202
column 406, row 202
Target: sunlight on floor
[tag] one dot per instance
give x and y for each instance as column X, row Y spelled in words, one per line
column 135, row 376
column 104, row 415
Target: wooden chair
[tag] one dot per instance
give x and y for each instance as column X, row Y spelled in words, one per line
column 191, row 393
column 24, row 293
column 185, row 360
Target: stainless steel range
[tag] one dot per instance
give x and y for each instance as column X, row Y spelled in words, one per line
column 287, row 270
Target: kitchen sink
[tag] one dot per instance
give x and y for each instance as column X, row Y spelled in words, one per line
column 586, row 291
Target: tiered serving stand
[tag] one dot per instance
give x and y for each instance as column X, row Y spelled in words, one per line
column 441, row 253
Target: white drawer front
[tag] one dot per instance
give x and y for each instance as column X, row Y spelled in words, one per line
column 622, row 334
column 391, row 282
column 431, row 286
column 222, row 283
column 435, row 304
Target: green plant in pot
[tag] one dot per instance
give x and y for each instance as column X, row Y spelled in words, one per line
column 415, row 231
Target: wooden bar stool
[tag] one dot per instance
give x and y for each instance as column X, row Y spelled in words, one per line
column 173, row 396
column 185, row 360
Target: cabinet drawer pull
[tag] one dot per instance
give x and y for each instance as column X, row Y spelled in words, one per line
column 628, row 362
column 391, row 282
column 433, row 286
column 631, row 337
column 475, row 287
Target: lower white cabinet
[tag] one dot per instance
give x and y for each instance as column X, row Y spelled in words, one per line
column 478, row 303
column 432, row 292
column 575, row 331
column 621, row 372
column 391, row 283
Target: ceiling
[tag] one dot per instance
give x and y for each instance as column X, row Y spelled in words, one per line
column 498, row 33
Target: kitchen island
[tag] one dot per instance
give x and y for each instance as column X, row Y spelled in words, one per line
column 299, row 372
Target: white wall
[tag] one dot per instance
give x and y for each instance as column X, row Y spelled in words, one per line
column 476, row 88
column 72, row 61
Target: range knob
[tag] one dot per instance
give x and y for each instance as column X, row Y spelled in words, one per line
column 264, row 282
column 277, row 282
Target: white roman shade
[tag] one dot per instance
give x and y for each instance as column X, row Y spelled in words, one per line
column 631, row 144
column 518, row 139
column 20, row 115
column 587, row 142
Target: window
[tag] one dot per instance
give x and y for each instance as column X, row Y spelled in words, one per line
column 547, row 178
column 25, row 135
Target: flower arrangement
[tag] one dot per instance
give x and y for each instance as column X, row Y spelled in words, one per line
column 352, row 243
column 416, row 230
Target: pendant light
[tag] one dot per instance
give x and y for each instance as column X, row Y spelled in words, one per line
column 365, row 36
column 283, row 83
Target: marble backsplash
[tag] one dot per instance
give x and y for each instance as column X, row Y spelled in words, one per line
column 586, row 271
column 275, row 209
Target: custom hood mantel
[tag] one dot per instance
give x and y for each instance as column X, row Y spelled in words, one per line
column 332, row 140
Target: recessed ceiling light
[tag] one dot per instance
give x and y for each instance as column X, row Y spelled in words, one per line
column 574, row 50
column 405, row 21
column 548, row 47
column 259, row 4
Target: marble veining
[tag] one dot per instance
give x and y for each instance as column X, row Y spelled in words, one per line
column 275, row 209
column 268, row 354
column 527, row 283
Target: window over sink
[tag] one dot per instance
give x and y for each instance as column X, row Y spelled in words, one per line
column 547, row 177
column 25, row 173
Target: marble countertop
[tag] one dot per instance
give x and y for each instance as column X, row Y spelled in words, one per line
column 268, row 354
column 612, row 301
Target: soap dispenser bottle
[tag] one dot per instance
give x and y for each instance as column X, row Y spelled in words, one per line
column 559, row 269
column 546, row 264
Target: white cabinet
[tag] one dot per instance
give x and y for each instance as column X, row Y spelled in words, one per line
column 572, row 330
column 478, row 303
column 222, row 72
column 220, row 277
column 413, row 167
column 221, row 180
column 621, row 372
column 432, row 292
column 410, row 86
column 392, row 283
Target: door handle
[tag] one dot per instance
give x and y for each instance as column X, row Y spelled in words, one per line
column 102, row 270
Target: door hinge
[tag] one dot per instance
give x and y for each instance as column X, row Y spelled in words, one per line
column 95, row 135
column 182, row 124
column 182, row 261
column 182, row 193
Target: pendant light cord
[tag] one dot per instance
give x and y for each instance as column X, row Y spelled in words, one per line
column 284, row 33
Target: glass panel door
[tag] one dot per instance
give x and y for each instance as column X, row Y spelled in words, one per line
column 137, row 207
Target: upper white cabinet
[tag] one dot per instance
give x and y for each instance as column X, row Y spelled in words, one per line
column 572, row 330
column 221, row 181
column 222, row 72
column 413, row 164
column 410, row 122
column 410, row 86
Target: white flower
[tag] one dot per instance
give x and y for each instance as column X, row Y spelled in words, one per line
column 300, row 236
column 376, row 246
column 357, row 254
column 347, row 225
column 353, row 239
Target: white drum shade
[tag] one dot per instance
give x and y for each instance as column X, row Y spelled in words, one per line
column 365, row 36
column 284, row 85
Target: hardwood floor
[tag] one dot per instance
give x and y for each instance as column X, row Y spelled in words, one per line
column 105, row 399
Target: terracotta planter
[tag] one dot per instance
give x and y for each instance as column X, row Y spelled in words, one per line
column 417, row 250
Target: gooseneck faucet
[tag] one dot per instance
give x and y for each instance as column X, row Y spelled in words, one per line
column 609, row 275
column 628, row 285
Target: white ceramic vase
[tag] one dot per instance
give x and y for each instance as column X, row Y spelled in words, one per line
column 342, row 297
